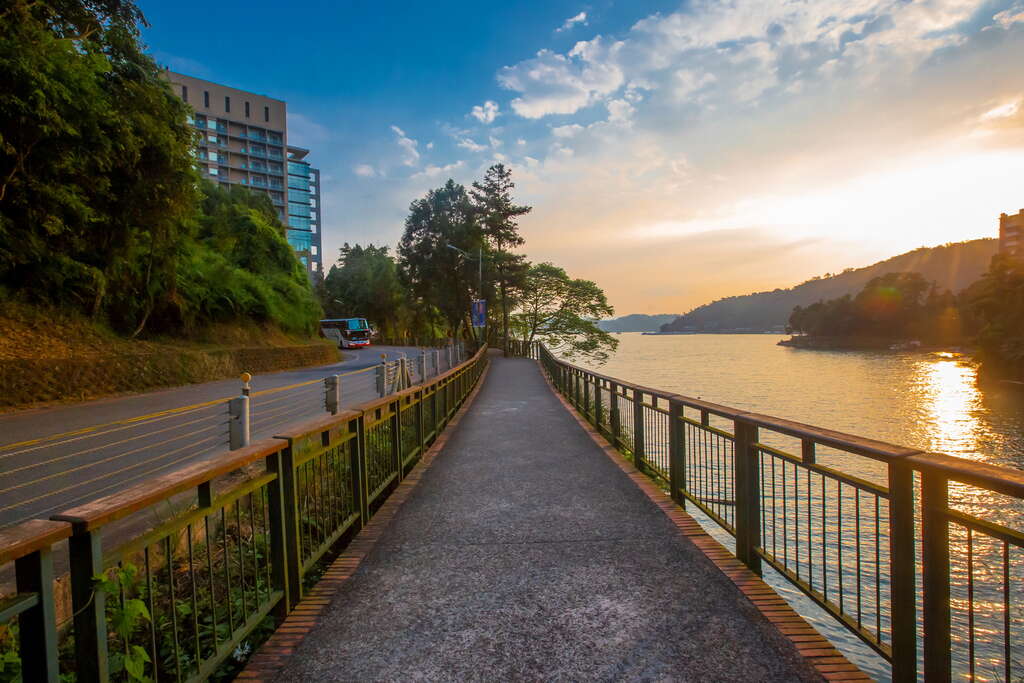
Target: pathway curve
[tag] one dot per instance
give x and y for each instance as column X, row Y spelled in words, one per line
column 525, row 553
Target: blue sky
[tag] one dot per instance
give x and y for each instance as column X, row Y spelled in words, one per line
column 674, row 153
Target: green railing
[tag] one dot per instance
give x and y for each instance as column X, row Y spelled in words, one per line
column 241, row 537
column 920, row 555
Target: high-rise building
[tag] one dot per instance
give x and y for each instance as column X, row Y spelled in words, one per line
column 1011, row 234
column 304, row 207
column 243, row 140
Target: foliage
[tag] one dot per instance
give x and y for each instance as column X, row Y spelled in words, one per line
column 498, row 216
column 239, row 266
column 438, row 276
column 562, row 312
column 893, row 306
column 996, row 303
column 95, row 168
column 365, row 284
column 125, row 617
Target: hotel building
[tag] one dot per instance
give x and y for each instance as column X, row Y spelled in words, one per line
column 1011, row 234
column 243, row 140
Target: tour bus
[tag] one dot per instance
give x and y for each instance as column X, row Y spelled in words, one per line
column 350, row 333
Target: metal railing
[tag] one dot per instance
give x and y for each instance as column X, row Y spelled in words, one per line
column 178, row 600
column 920, row 555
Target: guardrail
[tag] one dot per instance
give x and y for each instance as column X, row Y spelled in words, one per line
column 917, row 554
column 175, row 602
column 40, row 476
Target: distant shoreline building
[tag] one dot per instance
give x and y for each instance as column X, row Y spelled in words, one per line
column 1011, row 234
column 244, row 141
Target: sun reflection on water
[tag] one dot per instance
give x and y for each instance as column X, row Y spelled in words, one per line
column 950, row 401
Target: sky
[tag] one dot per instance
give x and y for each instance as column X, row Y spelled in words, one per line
column 674, row 153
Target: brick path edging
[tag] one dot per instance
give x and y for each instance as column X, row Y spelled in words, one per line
column 817, row 650
column 273, row 655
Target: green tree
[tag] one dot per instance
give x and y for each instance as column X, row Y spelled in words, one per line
column 365, row 284
column 996, row 304
column 96, row 178
column 563, row 312
column 436, row 275
column 498, row 216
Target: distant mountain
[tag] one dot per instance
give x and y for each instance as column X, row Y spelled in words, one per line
column 637, row 322
column 952, row 266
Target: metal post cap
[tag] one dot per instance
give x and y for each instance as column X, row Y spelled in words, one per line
column 246, row 377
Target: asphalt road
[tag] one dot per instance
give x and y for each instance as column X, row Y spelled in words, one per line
column 55, row 458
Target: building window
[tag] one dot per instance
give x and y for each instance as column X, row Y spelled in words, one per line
column 266, row 113
column 227, row 104
column 246, row 110
column 206, row 98
column 184, row 92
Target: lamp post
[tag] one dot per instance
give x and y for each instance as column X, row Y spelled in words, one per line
column 480, row 270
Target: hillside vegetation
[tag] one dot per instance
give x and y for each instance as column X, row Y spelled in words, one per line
column 637, row 322
column 951, row 266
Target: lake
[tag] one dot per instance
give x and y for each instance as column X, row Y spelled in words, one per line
column 929, row 401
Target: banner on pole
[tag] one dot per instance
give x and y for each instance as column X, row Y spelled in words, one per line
column 478, row 311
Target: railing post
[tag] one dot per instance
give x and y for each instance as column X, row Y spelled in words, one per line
column 396, row 438
column 278, row 536
column 676, row 451
column 88, row 604
column 597, row 404
column 239, row 422
column 614, row 416
column 935, row 576
column 293, row 549
column 332, row 393
column 359, row 474
column 748, row 495
column 37, row 627
column 382, row 374
column 638, row 429
column 586, row 394
column 902, row 579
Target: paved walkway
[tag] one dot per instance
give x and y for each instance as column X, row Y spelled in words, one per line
column 526, row 554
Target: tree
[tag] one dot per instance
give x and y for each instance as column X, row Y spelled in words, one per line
column 365, row 284
column 498, row 218
column 96, row 177
column 563, row 313
column 996, row 304
column 438, row 276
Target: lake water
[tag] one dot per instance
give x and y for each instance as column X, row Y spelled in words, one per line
column 929, row 401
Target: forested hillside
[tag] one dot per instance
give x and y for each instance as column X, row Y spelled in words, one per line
column 951, row 266
column 637, row 322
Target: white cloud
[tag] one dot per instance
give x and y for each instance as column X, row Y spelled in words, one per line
column 495, row 142
column 433, row 171
column 620, row 111
column 1003, row 111
column 521, row 142
column 740, row 53
column 566, row 131
column 430, row 145
column 365, row 171
column 1009, row 17
column 580, row 18
column 412, row 155
column 551, row 83
column 486, row 112
column 471, row 145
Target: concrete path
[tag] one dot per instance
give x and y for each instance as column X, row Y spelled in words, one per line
column 526, row 554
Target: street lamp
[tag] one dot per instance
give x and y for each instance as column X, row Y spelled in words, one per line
column 480, row 262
